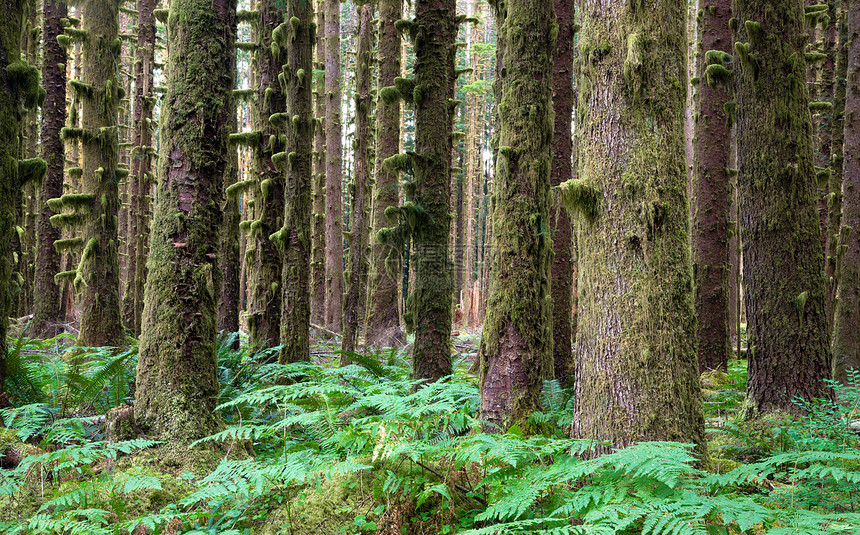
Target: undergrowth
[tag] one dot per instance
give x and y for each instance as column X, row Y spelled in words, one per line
column 365, row 449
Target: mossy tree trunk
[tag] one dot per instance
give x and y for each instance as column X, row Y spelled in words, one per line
column 356, row 286
column 228, row 247
column 294, row 239
column 473, row 169
column 784, row 287
column 177, row 385
column 383, row 311
column 562, row 171
column 318, row 284
column 711, row 191
column 264, row 275
column 835, row 183
column 846, row 335
column 333, row 162
column 516, row 344
column 434, row 31
column 98, row 279
column 636, row 368
column 47, row 315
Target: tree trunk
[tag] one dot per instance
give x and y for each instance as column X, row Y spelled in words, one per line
column 264, row 276
column 435, row 30
column 835, row 185
column 711, row 191
column 784, row 288
column 516, row 345
column 228, row 247
column 562, row 171
column 636, row 370
column 177, row 385
column 360, row 188
column 318, row 284
column 846, row 335
column 47, row 315
column 334, row 196
column 294, row 238
column 97, row 279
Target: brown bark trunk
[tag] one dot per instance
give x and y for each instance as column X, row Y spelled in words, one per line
column 318, row 284
column 333, row 158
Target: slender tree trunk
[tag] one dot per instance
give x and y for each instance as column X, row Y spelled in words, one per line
column 383, row 311
column 47, row 315
column 562, row 171
column 264, row 277
column 228, row 255
column 435, row 30
column 784, row 288
column 177, row 385
column 636, row 369
column 294, row 238
column 846, row 335
column 318, row 284
column 834, row 206
column 711, row 190
column 516, row 345
column 473, row 171
column 333, row 156
column 97, row 279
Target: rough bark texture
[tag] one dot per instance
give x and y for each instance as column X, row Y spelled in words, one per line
column 562, row 171
column 47, row 314
column 294, row 238
column 356, row 283
column 711, row 190
column 228, row 247
column 383, row 311
column 318, row 285
column 264, row 273
column 333, row 161
column 177, row 386
column 834, row 199
column 97, row 280
column 636, row 369
column 784, row 289
column 516, row 344
column 434, row 30
column 472, row 176
column 846, row 334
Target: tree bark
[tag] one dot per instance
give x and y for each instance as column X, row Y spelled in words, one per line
column 636, row 370
column 333, row 159
column 784, row 288
column 177, row 385
column 318, row 280
column 383, row 311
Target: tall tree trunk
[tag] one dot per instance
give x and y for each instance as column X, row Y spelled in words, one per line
column 318, row 284
column 383, row 311
column 562, row 171
column 177, row 385
column 333, row 161
column 360, row 187
column 435, row 29
column 516, row 345
column 473, row 170
column 636, row 370
column 47, row 315
column 97, row 279
column 846, row 335
column 834, row 200
column 294, row 238
column 784, row 289
column 264, row 277
column 228, row 247
column 711, row 191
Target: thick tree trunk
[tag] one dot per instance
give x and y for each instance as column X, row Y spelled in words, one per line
column 636, row 368
column 711, row 191
column 318, row 285
column 360, row 188
column 846, row 335
column 435, row 29
column 383, row 311
column 47, row 315
column 562, row 171
column 177, row 385
column 97, row 279
column 294, row 238
column 264, row 275
column 516, row 345
column 333, row 161
column 784, row 288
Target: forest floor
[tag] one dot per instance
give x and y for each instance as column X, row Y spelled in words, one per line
column 359, row 450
